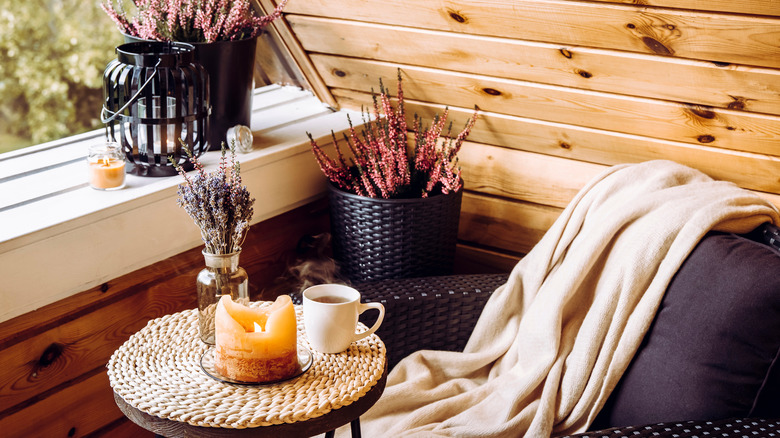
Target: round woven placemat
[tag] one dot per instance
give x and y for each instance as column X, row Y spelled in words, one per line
column 157, row 371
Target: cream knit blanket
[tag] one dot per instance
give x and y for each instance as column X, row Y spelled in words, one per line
column 552, row 342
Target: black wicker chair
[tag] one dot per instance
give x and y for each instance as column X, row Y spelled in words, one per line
column 440, row 313
column 727, row 287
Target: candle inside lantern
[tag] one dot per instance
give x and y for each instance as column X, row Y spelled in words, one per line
column 256, row 344
column 106, row 166
column 170, row 147
column 162, row 116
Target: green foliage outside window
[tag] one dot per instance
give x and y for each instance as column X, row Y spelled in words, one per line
column 52, row 57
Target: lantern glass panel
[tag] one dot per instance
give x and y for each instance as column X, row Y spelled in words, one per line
column 156, row 112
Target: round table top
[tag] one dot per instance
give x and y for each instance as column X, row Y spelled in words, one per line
column 159, row 384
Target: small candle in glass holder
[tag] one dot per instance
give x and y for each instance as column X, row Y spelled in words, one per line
column 106, row 166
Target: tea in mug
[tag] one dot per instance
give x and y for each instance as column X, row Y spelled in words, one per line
column 331, row 299
column 330, row 316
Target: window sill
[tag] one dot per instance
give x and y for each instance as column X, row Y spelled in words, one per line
column 60, row 237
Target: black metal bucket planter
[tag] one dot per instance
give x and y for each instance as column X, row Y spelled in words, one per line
column 231, row 67
column 375, row 239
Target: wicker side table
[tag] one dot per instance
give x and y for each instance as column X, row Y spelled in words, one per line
column 158, row 384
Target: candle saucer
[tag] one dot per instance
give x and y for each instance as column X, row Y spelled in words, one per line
column 305, row 359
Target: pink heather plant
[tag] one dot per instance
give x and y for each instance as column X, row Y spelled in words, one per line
column 382, row 164
column 189, row 20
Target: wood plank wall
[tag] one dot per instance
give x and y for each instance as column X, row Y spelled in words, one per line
column 565, row 89
column 54, row 381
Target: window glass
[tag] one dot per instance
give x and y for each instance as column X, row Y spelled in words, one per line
column 52, row 57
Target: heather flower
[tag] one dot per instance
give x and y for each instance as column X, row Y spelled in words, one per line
column 382, row 165
column 189, row 20
column 217, row 202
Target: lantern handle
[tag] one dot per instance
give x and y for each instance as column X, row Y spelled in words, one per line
column 114, row 115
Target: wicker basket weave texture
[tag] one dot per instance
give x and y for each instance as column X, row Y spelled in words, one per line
column 158, row 371
column 430, row 313
column 376, row 239
column 730, row 427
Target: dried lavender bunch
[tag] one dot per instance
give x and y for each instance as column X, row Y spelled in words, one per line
column 220, row 206
column 189, row 20
column 382, row 165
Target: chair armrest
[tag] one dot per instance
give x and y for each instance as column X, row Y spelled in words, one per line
column 428, row 312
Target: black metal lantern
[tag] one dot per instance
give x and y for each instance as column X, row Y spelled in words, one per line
column 156, row 97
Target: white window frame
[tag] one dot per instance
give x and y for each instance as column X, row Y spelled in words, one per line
column 59, row 237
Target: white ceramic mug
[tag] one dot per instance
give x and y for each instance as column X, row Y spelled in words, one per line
column 330, row 315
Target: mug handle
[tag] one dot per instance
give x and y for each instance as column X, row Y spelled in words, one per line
column 366, row 306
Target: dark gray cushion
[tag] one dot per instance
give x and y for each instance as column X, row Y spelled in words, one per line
column 712, row 350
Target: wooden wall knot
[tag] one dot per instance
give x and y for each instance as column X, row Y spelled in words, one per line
column 51, row 354
column 702, row 112
column 491, row 91
column 656, row 46
column 655, row 33
column 739, row 103
column 706, row 138
column 457, row 16
column 339, row 73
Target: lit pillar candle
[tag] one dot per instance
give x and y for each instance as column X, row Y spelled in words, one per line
column 256, row 344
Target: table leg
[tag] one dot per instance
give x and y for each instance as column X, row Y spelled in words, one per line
column 354, row 425
column 355, row 428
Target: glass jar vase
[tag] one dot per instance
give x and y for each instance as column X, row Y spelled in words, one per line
column 222, row 276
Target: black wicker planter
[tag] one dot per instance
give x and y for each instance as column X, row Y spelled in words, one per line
column 376, row 239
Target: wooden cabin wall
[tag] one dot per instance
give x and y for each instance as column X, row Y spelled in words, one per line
column 54, row 381
column 565, row 89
